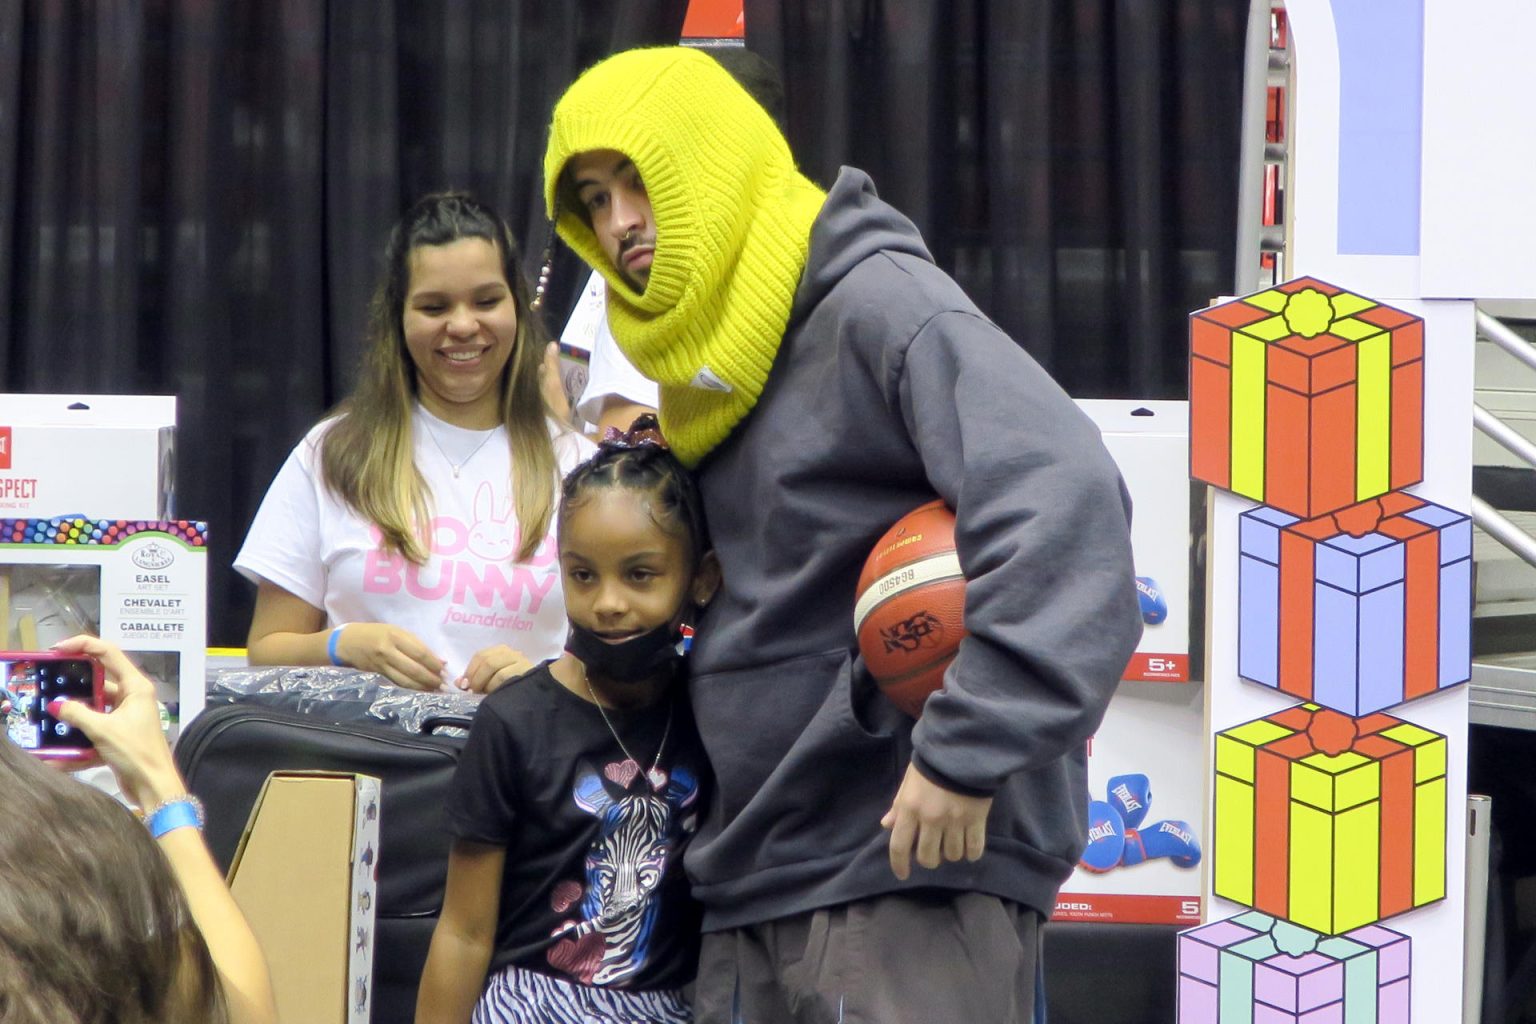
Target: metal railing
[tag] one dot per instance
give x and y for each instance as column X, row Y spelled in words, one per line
column 1491, row 521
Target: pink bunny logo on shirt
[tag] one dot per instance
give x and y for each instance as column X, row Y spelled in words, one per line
column 470, row 565
column 488, row 536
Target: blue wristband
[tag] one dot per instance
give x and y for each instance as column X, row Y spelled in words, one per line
column 330, row 646
column 185, row 812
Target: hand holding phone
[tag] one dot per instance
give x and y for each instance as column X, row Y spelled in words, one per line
column 32, row 683
column 129, row 740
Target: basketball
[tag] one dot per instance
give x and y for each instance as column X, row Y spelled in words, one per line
column 909, row 610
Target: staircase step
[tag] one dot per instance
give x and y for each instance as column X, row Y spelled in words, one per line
column 1503, row 690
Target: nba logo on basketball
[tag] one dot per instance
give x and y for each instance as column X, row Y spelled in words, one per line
column 5, row 447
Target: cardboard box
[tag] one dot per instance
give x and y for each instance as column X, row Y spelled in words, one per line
column 1154, row 731
column 1149, row 441
column 141, row 584
column 1306, row 397
column 306, row 877
column 1360, row 610
column 87, row 456
column 1328, row 821
column 1254, row 968
column 1149, row 727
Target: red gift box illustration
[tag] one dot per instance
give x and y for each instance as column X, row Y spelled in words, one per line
column 1306, row 397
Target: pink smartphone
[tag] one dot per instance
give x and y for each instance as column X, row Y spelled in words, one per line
column 30, row 684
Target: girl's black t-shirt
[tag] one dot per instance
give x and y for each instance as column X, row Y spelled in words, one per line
column 593, row 889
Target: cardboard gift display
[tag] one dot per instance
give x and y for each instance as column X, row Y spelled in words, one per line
column 1328, row 821
column 1253, row 969
column 1358, row 610
column 305, row 876
column 1306, row 397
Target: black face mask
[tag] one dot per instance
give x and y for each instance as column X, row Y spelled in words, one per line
column 630, row 661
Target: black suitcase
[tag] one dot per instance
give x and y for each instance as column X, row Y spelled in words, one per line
column 227, row 753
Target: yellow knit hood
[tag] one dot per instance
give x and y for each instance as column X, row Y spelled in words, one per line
column 733, row 222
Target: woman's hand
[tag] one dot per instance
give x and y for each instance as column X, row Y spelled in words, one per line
column 492, row 668
column 130, row 741
column 392, row 652
column 129, row 737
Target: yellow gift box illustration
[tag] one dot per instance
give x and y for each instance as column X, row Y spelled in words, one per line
column 1329, row 821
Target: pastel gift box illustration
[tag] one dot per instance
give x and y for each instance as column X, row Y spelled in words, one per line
column 1328, row 821
column 1306, row 397
column 1359, row 610
column 1253, row 969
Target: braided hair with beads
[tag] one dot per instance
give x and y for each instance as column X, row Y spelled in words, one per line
column 639, row 459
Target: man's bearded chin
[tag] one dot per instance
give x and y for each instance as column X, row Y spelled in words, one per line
column 626, row 244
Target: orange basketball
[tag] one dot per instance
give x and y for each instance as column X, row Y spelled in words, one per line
column 910, row 610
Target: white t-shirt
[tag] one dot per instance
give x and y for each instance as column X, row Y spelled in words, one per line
column 468, row 595
column 609, row 372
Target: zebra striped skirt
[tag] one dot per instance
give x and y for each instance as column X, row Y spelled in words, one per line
column 515, row 995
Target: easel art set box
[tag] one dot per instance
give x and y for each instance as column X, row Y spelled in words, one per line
column 88, row 541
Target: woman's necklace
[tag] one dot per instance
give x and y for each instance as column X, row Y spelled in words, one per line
column 654, row 776
column 438, row 445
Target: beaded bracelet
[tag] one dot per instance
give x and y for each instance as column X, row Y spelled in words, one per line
column 185, row 811
column 330, row 646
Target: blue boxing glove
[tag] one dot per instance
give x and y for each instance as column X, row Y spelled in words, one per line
column 1106, row 838
column 1172, row 839
column 1154, row 606
column 1131, row 795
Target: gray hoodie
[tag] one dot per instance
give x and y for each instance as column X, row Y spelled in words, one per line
column 891, row 388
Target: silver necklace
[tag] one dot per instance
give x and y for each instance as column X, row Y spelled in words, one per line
column 438, row 445
column 652, row 776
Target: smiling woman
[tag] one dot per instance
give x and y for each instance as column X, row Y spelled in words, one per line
column 411, row 532
column 460, row 326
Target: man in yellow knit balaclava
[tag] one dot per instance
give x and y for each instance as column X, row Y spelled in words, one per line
column 823, row 378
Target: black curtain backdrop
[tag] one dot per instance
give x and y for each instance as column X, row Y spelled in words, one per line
column 1073, row 163
column 194, row 193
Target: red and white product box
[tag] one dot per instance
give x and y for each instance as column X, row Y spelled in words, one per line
column 1146, row 763
column 1149, row 441
column 86, row 455
column 1146, row 781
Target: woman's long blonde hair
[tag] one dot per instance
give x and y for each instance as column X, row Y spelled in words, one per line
column 366, row 456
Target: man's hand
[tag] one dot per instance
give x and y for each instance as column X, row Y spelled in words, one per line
column 392, row 652
column 942, row 823
column 492, row 668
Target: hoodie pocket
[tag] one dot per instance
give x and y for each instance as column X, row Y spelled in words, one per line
column 797, row 773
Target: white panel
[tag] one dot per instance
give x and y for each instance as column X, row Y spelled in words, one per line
column 1315, row 172
column 1479, row 201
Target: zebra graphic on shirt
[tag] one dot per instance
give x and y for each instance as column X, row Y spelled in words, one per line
column 516, row 995
column 638, row 832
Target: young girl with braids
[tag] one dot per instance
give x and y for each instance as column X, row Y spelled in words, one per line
column 581, row 781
